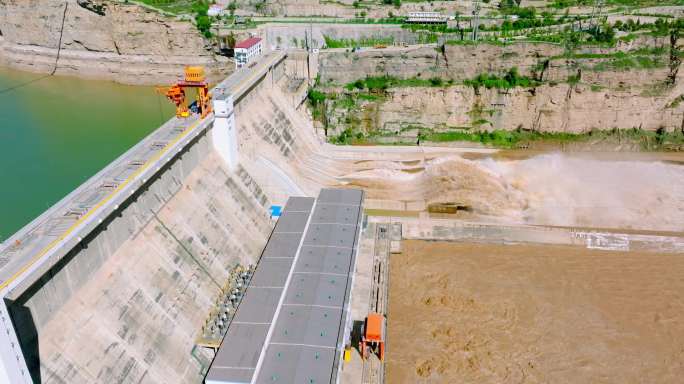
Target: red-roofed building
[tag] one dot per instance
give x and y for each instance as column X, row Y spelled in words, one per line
column 247, row 50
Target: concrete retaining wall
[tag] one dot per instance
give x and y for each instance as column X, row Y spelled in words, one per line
column 127, row 304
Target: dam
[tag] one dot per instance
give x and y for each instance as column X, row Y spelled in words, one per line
column 140, row 254
column 67, row 258
column 368, row 201
column 117, row 282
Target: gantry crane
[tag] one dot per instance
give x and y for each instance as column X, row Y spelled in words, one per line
column 194, row 78
column 373, row 336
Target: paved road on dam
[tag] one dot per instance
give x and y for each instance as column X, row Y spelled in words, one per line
column 63, row 226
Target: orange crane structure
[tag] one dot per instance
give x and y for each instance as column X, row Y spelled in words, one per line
column 194, row 78
column 373, row 336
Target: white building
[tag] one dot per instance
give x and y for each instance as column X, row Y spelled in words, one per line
column 426, row 18
column 215, row 10
column 246, row 51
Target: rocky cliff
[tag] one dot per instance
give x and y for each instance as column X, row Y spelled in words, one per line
column 634, row 85
column 459, row 62
column 107, row 40
column 346, row 8
column 548, row 108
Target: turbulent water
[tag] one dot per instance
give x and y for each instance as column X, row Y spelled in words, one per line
column 55, row 132
column 552, row 189
column 562, row 190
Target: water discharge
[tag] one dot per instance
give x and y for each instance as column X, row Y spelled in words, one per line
column 551, row 189
column 563, row 190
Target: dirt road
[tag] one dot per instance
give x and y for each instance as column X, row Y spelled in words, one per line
column 464, row 313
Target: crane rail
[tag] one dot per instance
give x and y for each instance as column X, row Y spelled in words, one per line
column 373, row 368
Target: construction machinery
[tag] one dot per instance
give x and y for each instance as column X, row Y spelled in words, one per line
column 448, row 207
column 194, row 78
column 373, row 336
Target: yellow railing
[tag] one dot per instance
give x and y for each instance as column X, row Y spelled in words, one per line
column 99, row 205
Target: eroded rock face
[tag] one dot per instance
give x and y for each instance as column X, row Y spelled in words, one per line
column 127, row 44
column 559, row 108
column 600, row 97
column 460, row 62
column 344, row 8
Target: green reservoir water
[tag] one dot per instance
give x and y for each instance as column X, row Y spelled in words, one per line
column 58, row 131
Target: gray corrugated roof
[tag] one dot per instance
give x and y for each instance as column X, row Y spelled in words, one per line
column 293, row 363
column 307, row 331
column 282, row 245
column 330, row 235
column 340, row 196
column 319, row 259
column 241, row 347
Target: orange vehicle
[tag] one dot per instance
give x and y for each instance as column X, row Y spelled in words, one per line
column 373, row 336
column 194, row 78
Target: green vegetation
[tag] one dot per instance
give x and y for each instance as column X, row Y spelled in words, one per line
column 172, row 6
column 197, row 8
column 347, row 137
column 179, row 7
column 509, row 80
column 335, row 20
column 382, row 83
column 675, row 103
column 627, row 62
column 560, row 4
column 497, row 138
column 352, row 43
column 317, row 103
column 574, row 79
column 522, row 138
column 429, row 27
column 641, row 58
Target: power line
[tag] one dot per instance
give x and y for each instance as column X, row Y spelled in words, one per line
column 596, row 14
column 54, row 69
column 476, row 18
column 21, row 85
column 61, row 33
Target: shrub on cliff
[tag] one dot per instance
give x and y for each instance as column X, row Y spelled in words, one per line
column 202, row 20
column 510, row 79
column 316, row 97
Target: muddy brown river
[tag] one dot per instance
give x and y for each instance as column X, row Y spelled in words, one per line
column 464, row 313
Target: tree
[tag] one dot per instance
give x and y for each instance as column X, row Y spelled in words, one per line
column 202, row 21
column 603, row 34
column 230, row 40
column 204, row 25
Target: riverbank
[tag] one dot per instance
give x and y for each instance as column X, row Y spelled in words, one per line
column 123, row 69
column 129, row 44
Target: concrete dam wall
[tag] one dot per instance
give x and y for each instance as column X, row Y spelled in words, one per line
column 128, row 302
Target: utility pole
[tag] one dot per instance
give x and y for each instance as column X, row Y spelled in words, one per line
column 596, row 14
column 476, row 18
